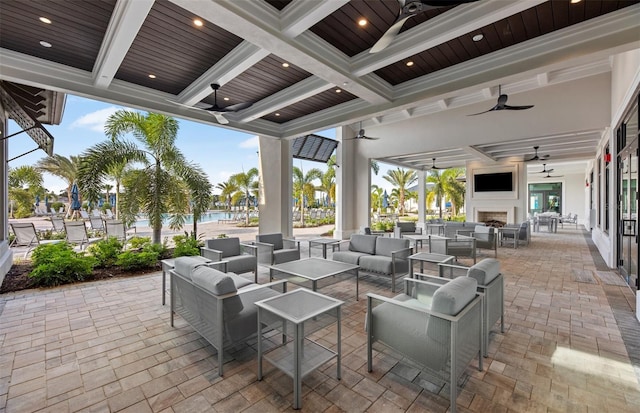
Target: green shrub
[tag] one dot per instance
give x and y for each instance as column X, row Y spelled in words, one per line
column 106, row 251
column 57, row 264
column 133, row 260
column 186, row 245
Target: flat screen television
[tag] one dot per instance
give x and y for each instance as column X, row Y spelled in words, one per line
column 493, row 182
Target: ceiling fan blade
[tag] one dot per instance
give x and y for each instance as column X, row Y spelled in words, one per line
column 507, row 107
column 390, row 34
column 490, row 110
column 238, row 107
column 221, row 119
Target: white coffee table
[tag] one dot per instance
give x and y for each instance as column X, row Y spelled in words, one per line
column 300, row 356
column 312, row 269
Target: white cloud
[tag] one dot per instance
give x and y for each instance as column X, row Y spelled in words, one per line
column 94, row 120
column 252, row 142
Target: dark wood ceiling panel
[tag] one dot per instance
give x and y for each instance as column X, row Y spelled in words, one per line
column 172, row 48
column 541, row 19
column 75, row 33
column 342, row 31
column 262, row 80
column 324, row 100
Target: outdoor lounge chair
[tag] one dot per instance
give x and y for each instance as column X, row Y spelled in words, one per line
column 76, row 233
column 274, row 249
column 240, row 257
column 27, row 236
column 436, row 326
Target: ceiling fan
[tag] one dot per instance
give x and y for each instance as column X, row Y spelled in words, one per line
column 537, row 157
column 216, row 110
column 408, row 9
column 548, row 175
column 361, row 135
column 545, row 170
column 502, row 104
column 433, row 166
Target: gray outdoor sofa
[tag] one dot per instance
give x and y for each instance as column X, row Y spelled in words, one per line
column 377, row 255
column 219, row 306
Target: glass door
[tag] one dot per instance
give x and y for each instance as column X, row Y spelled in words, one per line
column 628, row 213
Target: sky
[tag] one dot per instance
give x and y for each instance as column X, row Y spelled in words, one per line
column 220, row 152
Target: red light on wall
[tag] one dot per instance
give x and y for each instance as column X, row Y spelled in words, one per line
column 607, row 157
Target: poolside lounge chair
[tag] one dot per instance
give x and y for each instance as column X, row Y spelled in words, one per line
column 76, row 233
column 27, row 236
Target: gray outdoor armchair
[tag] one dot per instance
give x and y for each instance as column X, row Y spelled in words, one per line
column 437, row 326
column 240, row 257
column 274, row 249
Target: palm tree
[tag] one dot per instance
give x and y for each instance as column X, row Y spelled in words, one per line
column 167, row 182
column 228, row 188
column 246, row 184
column 303, row 186
column 64, row 168
column 25, row 182
column 401, row 179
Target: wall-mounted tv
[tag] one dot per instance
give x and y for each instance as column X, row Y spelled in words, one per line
column 493, row 182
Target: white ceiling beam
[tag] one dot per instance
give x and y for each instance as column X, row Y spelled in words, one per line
column 440, row 29
column 302, row 90
column 478, row 153
column 249, row 21
column 126, row 20
column 235, row 62
column 301, row 15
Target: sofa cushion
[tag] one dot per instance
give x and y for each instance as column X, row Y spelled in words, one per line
column 453, row 296
column 485, row 271
column 350, row 257
column 274, row 239
column 185, row 265
column 385, row 246
column 228, row 246
column 363, row 243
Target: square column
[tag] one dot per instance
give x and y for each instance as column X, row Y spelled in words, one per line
column 275, row 164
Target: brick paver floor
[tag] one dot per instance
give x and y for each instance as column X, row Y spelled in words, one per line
column 108, row 346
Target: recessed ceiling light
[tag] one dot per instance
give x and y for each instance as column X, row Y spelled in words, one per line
column 198, row 22
column 478, row 37
column 45, row 20
column 410, row 63
column 225, row 98
column 45, row 44
column 362, row 22
column 277, row 114
column 285, row 64
column 338, row 90
column 152, row 76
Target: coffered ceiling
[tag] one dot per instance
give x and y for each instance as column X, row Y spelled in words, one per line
column 305, row 64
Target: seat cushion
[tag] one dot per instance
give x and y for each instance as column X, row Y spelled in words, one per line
column 485, row 271
column 350, row 257
column 363, row 243
column 385, row 246
column 241, row 263
column 185, row 265
column 274, row 239
column 228, row 246
column 286, row 255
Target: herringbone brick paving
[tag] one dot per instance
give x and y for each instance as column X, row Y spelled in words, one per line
column 108, row 346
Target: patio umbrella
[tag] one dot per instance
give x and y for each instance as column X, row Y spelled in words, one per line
column 75, row 198
column 385, row 199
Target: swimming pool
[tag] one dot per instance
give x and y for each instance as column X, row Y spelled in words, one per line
column 206, row 217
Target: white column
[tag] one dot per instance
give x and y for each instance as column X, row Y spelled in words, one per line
column 422, row 200
column 275, row 165
column 353, row 186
